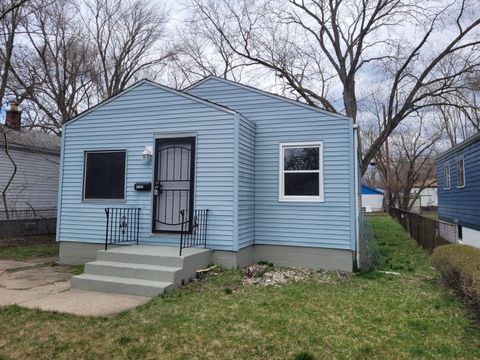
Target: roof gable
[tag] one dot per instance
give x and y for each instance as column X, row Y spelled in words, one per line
column 154, row 84
column 263, row 92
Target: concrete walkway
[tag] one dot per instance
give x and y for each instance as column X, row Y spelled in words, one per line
column 39, row 283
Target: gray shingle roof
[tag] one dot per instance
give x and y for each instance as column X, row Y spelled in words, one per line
column 31, row 140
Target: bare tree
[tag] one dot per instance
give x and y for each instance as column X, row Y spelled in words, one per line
column 53, row 69
column 413, row 147
column 7, row 7
column 312, row 45
column 201, row 52
column 126, row 36
column 9, row 23
column 459, row 123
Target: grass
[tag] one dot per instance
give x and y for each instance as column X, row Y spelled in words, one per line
column 369, row 316
column 76, row 269
column 25, row 251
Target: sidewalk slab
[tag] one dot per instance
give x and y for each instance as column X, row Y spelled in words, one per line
column 36, row 284
column 86, row 303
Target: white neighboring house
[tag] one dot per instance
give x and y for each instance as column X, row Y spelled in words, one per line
column 428, row 196
column 37, row 156
column 372, row 199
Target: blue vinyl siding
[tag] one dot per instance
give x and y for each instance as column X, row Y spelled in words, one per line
column 327, row 224
column 460, row 204
column 131, row 121
column 246, row 183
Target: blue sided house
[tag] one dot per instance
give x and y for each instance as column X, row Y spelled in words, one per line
column 218, row 173
column 458, row 173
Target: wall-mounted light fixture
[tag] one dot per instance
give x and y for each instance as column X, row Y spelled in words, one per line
column 147, row 153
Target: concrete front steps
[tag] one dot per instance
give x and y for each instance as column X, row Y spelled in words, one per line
column 141, row 270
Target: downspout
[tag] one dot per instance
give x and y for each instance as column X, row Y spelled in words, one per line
column 356, row 149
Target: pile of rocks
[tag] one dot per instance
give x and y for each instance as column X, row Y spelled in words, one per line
column 270, row 275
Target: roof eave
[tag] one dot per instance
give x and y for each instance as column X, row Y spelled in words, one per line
column 279, row 97
column 457, row 147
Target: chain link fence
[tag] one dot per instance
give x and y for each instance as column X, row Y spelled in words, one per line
column 369, row 251
column 427, row 232
column 28, row 222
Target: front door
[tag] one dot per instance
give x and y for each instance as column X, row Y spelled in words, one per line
column 173, row 186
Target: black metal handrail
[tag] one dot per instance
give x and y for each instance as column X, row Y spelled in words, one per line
column 122, row 225
column 194, row 230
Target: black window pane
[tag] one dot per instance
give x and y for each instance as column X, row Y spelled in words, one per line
column 105, row 175
column 301, row 184
column 301, row 158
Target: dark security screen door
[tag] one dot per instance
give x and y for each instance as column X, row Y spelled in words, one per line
column 173, row 190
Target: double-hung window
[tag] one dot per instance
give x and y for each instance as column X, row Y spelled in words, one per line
column 446, row 173
column 104, row 175
column 301, row 173
column 461, row 172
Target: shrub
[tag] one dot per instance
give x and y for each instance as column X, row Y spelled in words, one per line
column 303, row 355
column 228, row 290
column 460, row 267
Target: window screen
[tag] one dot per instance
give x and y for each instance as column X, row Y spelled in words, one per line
column 104, row 175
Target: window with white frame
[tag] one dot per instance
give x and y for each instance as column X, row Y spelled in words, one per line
column 460, row 172
column 446, row 171
column 301, row 174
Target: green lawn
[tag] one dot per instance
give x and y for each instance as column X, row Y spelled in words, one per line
column 24, row 251
column 369, row 316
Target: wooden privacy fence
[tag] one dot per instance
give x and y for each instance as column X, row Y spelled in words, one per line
column 429, row 233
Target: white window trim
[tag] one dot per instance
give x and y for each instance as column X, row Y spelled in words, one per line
column 447, row 175
column 100, row 200
column 306, row 198
column 463, row 170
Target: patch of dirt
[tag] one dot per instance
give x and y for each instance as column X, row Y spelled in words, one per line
column 27, row 240
column 271, row 275
column 28, row 278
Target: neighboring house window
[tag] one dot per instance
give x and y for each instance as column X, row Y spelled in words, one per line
column 104, row 176
column 446, row 169
column 460, row 232
column 301, row 174
column 460, row 172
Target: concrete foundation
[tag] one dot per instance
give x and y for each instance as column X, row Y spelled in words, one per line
column 74, row 253
column 77, row 253
column 470, row 237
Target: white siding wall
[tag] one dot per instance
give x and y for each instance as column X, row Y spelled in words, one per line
column 329, row 224
column 130, row 122
column 372, row 202
column 35, row 184
column 470, row 237
column 428, row 197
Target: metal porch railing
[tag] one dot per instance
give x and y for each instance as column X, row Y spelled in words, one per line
column 122, row 226
column 194, row 230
